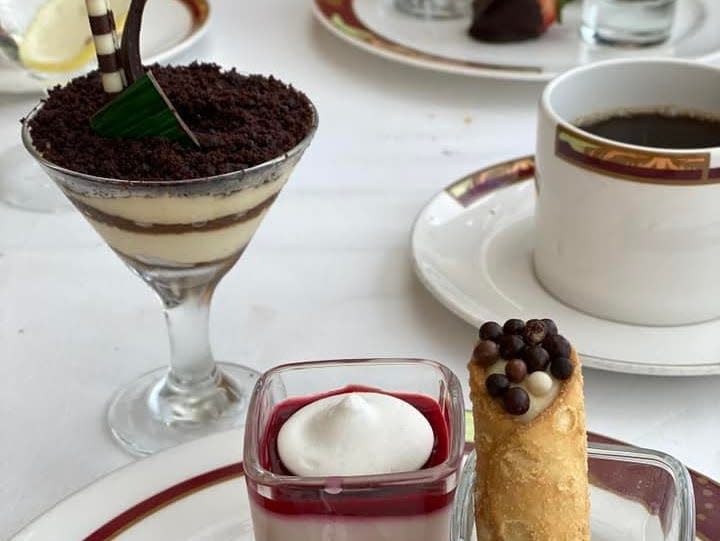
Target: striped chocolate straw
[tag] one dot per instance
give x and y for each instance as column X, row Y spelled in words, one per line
column 102, row 25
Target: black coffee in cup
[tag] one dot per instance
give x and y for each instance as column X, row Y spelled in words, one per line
column 656, row 128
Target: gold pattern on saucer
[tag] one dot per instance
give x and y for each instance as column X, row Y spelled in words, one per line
column 632, row 164
column 468, row 189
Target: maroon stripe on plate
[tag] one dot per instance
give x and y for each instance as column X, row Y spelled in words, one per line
column 707, row 499
column 707, row 494
column 341, row 14
column 154, row 503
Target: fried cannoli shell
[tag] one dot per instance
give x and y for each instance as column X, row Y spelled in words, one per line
column 532, row 482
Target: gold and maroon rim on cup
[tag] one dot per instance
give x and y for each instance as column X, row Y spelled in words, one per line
column 665, row 166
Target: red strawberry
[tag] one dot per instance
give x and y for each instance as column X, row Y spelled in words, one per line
column 514, row 20
column 551, row 11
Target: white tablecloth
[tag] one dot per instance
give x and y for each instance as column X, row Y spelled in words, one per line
column 328, row 274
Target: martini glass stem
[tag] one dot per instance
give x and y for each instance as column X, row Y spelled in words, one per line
column 194, row 390
column 191, row 359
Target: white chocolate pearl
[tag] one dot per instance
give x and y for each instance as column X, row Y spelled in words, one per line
column 539, row 383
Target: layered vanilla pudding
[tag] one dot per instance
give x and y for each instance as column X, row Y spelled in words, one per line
column 179, row 227
column 356, row 462
column 164, row 203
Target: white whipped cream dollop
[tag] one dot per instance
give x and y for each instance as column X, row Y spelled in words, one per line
column 356, row 433
column 542, row 389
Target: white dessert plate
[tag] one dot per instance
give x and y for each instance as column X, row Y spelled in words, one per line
column 195, row 492
column 472, row 247
column 170, row 27
column 444, row 45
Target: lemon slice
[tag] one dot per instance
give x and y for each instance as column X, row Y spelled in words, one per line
column 58, row 38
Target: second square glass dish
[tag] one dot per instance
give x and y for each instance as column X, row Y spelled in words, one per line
column 635, row 495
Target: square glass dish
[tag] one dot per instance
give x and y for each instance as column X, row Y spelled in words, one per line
column 413, row 505
column 635, row 495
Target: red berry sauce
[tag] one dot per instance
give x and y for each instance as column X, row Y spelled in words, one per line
column 351, row 498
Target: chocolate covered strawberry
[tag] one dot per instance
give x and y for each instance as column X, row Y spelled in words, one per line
column 513, row 20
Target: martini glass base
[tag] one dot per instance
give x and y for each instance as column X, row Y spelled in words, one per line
column 145, row 418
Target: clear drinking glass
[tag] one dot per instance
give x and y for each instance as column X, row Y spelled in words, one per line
column 635, row 495
column 412, row 505
column 180, row 237
column 435, row 9
column 627, row 23
column 25, row 69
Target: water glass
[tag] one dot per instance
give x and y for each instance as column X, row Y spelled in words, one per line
column 627, row 23
column 435, row 9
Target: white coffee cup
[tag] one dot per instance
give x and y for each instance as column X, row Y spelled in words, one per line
column 625, row 232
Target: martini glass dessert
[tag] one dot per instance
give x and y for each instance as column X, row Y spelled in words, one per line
column 179, row 214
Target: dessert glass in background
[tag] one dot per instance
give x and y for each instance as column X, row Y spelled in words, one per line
column 412, row 506
column 636, row 495
column 180, row 237
column 35, row 36
column 434, row 9
column 627, row 23
column 627, row 232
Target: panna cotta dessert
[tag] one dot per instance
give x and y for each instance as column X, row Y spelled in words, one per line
column 355, row 462
column 173, row 204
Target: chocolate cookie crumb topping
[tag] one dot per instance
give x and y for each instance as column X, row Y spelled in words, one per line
column 241, row 121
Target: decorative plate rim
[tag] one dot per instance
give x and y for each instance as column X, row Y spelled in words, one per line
column 164, row 494
column 330, row 14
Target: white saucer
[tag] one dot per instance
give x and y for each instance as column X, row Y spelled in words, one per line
column 472, row 248
column 443, row 45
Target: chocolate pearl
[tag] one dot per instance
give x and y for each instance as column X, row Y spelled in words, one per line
column 486, row 353
column 562, row 368
column 539, row 383
column 534, row 331
column 550, row 326
column 514, row 326
column 536, row 358
column 557, row 346
column 510, row 346
column 490, row 330
column 516, row 401
column 516, row 370
column 497, row 384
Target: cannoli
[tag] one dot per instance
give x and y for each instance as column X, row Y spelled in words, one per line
column 526, row 388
